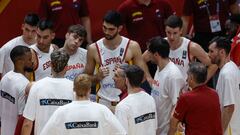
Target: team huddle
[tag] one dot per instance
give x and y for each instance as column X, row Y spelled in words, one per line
column 109, row 88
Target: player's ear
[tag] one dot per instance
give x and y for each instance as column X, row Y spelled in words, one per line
column 120, row 28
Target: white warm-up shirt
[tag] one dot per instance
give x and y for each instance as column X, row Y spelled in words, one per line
column 166, row 87
column 228, row 89
column 83, row 118
column 137, row 113
column 13, row 100
column 6, row 63
column 45, row 96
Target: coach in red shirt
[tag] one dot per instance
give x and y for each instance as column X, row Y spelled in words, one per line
column 65, row 13
column 199, row 109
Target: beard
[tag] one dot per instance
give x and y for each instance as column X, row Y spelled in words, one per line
column 216, row 61
column 110, row 37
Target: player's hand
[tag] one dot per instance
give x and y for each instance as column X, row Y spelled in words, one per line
column 150, row 80
column 103, row 72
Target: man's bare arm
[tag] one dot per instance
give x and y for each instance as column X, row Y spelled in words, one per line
column 138, row 59
column 226, row 116
column 87, row 25
column 27, row 127
column 173, row 126
column 197, row 51
column 91, row 63
column 186, row 20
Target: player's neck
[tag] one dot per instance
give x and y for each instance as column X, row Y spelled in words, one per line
column 114, row 43
column 162, row 63
column 133, row 90
column 82, row 98
column 177, row 44
column 223, row 62
column 58, row 75
column 19, row 70
column 69, row 52
column 195, row 85
column 29, row 42
column 44, row 50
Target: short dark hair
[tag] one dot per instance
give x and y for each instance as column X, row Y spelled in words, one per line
column 45, row 24
column 59, row 60
column 159, row 45
column 174, row 21
column 135, row 75
column 222, row 43
column 18, row 52
column 113, row 17
column 199, row 71
column 78, row 29
column 31, row 19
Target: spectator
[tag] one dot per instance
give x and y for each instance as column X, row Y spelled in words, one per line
column 65, row 13
column 233, row 33
column 145, row 19
column 209, row 18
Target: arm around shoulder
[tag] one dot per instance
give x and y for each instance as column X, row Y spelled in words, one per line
column 138, row 58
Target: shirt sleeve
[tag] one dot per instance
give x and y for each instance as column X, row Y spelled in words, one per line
column 122, row 10
column 228, row 92
column 121, row 114
column 21, row 95
column 115, row 126
column 31, row 105
column 174, row 85
column 52, row 125
column 181, row 109
column 2, row 56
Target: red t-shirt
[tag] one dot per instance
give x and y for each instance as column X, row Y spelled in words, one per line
column 63, row 13
column 198, row 9
column 200, row 111
column 144, row 22
column 235, row 49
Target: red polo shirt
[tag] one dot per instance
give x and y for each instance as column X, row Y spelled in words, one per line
column 200, row 111
column 63, row 13
column 144, row 22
